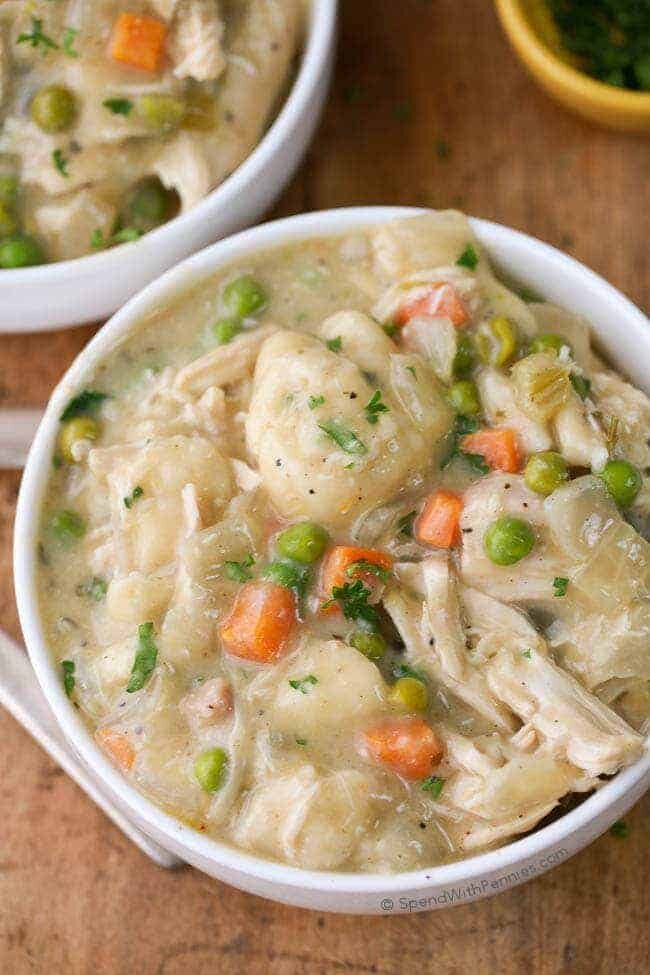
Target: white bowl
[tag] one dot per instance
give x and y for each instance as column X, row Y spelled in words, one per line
column 93, row 287
column 622, row 332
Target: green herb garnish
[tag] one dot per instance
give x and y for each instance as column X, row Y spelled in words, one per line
column 352, row 597
column 292, row 575
column 240, row 571
column 469, row 258
column 528, row 654
column 403, row 670
column 131, row 498
column 69, row 35
column 37, row 38
column 145, row 659
column 357, row 568
column 405, row 524
column 462, row 426
column 84, row 404
column 68, row 527
column 123, row 236
column 581, row 384
column 61, row 162
column 343, row 437
column 335, row 345
column 390, row 328
column 434, row 784
column 95, row 588
column 68, row 667
column 301, row 741
column 374, row 407
column 302, row 685
column 315, row 401
column 560, row 585
column 411, row 369
column 620, row 830
column 118, row 106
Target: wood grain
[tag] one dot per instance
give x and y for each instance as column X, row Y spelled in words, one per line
column 428, row 106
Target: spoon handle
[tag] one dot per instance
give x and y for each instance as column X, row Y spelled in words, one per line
column 21, row 695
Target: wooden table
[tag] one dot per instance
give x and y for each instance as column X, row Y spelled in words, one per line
column 429, row 106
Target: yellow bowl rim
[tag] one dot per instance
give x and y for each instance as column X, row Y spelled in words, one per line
column 540, row 56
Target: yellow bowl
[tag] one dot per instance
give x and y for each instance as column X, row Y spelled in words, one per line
column 534, row 36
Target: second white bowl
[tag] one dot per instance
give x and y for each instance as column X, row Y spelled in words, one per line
column 93, row 287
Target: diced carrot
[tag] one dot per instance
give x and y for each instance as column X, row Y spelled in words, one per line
column 439, row 522
column 138, row 41
column 118, row 747
column 498, row 447
column 440, row 300
column 406, row 746
column 260, row 622
column 340, row 558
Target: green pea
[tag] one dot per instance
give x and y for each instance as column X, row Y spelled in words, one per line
column 304, row 542
column 371, row 645
column 622, row 480
column 549, row 342
column 508, row 540
column 8, row 221
column 642, row 71
column 53, row 108
column 545, row 471
column 210, row 767
column 464, row 358
column 8, row 189
column 464, row 398
column 244, row 296
column 225, row 330
column 161, row 112
column 410, row 693
column 68, row 527
column 151, row 204
column 496, row 341
column 20, row 251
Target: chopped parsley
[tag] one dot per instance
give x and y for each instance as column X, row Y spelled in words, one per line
column 302, row 685
column 69, row 35
column 581, row 384
column 611, row 38
column 346, row 439
column 95, row 588
column 67, row 666
column 357, row 568
column 61, row 162
column 462, row 426
column 118, row 106
column 405, row 524
column 528, row 654
column 620, row 829
column 469, row 258
column 315, row 401
column 335, row 345
column 145, row 659
column 131, row 498
column 433, row 784
column 84, row 404
column 37, row 38
column 301, row 741
column 560, row 585
column 390, row 328
column 403, row 670
column 352, row 597
column 239, row 571
column 291, row 575
column 374, row 407
column 411, row 369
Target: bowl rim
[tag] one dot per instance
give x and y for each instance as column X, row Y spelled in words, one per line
column 315, row 50
column 182, row 837
column 530, row 45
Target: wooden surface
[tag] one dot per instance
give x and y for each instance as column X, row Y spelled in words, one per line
column 428, row 106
